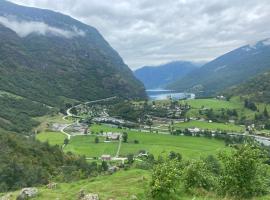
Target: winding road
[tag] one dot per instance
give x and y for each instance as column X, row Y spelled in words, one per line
column 69, row 114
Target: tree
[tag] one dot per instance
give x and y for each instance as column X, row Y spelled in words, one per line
column 125, row 137
column 243, row 173
column 265, row 113
column 196, row 175
column 130, row 158
column 66, row 141
column 176, row 156
column 149, row 123
column 96, row 140
column 104, row 166
column 165, row 180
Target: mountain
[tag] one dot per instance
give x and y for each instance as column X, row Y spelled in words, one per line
column 49, row 59
column 227, row 70
column 256, row 89
column 160, row 76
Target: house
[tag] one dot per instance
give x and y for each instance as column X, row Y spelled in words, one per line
column 194, row 130
column 112, row 136
column 106, row 157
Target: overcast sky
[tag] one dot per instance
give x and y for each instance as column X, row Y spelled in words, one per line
column 152, row 32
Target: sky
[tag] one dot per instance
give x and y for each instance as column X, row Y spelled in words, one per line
column 153, row 32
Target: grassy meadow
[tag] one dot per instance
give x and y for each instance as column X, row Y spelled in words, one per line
column 205, row 125
column 53, row 138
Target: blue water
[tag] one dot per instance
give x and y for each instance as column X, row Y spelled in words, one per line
column 161, row 94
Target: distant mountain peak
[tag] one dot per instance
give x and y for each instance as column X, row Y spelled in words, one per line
column 160, row 76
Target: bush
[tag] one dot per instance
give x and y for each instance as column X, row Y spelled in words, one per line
column 244, row 174
column 197, row 175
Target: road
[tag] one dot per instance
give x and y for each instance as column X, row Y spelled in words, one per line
column 69, row 114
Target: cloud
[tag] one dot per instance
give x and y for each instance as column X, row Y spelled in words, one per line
column 25, row 28
column 151, row 32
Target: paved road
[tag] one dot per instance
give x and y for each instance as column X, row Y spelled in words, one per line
column 119, row 147
column 69, row 114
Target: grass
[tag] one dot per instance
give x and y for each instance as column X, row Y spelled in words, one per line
column 119, row 186
column 205, row 125
column 217, row 105
column 157, row 144
column 85, row 145
column 54, row 138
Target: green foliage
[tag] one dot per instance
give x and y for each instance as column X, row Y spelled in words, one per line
column 243, row 173
column 256, row 89
column 125, row 136
column 17, row 113
column 197, row 175
column 130, row 158
column 104, row 166
column 96, row 140
column 165, row 180
column 26, row 162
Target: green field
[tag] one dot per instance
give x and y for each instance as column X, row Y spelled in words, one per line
column 157, row 144
column 54, row 138
column 85, row 145
column 205, row 125
column 217, row 105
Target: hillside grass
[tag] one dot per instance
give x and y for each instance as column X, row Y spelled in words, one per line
column 119, row 186
column 53, row 138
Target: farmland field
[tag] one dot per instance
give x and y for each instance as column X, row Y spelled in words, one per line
column 210, row 126
column 157, row 144
column 85, row 145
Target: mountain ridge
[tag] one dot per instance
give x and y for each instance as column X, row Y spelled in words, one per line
column 161, row 75
column 227, row 70
column 53, row 59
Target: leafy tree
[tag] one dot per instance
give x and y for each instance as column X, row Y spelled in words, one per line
column 149, row 123
column 197, row 175
column 130, row 158
column 104, row 166
column 265, row 113
column 243, row 173
column 96, row 140
column 66, row 141
column 125, row 136
column 212, row 164
column 176, row 156
column 165, row 179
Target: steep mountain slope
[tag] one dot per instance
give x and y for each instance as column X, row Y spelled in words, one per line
column 49, row 57
column 257, row 89
column 160, row 76
column 227, row 70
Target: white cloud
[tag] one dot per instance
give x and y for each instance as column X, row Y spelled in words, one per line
column 147, row 32
column 24, row 28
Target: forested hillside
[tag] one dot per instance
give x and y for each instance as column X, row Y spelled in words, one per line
column 26, row 162
column 48, row 59
column 160, row 76
column 257, row 89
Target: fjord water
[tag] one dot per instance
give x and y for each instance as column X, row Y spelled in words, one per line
column 162, row 94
